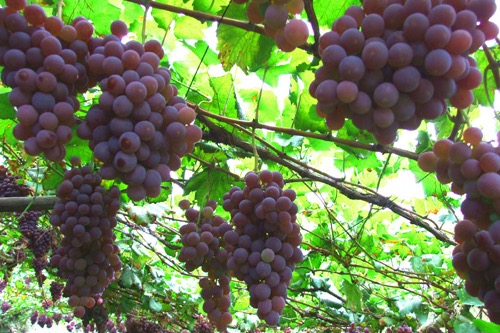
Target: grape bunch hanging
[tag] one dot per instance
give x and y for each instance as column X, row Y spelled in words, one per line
column 203, row 246
column 87, row 258
column 288, row 34
column 392, row 64
column 260, row 247
column 472, row 166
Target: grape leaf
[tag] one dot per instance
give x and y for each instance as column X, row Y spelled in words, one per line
column 245, row 49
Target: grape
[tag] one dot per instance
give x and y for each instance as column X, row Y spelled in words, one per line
column 276, row 16
column 415, row 27
column 347, row 91
column 34, row 14
column 375, row 55
column 351, row 68
column 442, row 14
column 296, row 32
column 406, row 79
column 437, row 62
column 385, row 95
column 352, row 41
column 373, row 26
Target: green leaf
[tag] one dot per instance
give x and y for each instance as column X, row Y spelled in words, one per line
column 154, row 305
column 102, row 13
column 245, row 49
column 223, row 98
column 464, row 325
column 354, row 296
column 409, row 305
column 6, row 109
column 188, row 28
column 467, row 299
column 208, row 184
column 328, row 11
column 126, row 277
column 203, row 52
column 486, row 327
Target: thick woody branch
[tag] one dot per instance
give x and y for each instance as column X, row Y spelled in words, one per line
column 19, row 204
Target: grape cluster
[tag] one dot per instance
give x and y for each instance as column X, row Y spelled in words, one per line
column 44, row 320
column 202, row 326
column 3, row 284
column 56, row 290
column 352, row 328
column 477, row 259
column 391, row 64
column 40, row 241
column 472, row 167
column 263, row 248
column 132, row 131
column 142, row 325
column 86, row 215
column 10, row 186
column 203, row 246
column 97, row 319
column 288, row 34
column 45, row 65
column 404, row 329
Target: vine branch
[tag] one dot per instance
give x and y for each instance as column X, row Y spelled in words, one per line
column 324, row 137
column 19, row 204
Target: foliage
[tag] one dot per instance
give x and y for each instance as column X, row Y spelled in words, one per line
column 377, row 230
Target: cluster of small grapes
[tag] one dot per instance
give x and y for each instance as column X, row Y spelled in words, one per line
column 44, row 320
column 472, row 167
column 202, row 326
column 352, row 328
column 131, row 131
column 47, row 303
column 40, row 241
column 263, row 248
column 56, row 290
column 143, row 325
column 401, row 329
column 407, row 59
column 18, row 256
column 97, row 319
column 44, row 63
column 203, row 246
column 10, row 186
column 3, row 284
column 5, row 306
column 274, row 14
column 477, row 259
column 404, row 329
column 85, row 214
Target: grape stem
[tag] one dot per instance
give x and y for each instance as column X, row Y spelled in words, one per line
column 223, row 136
column 457, row 122
column 311, row 16
column 493, row 65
